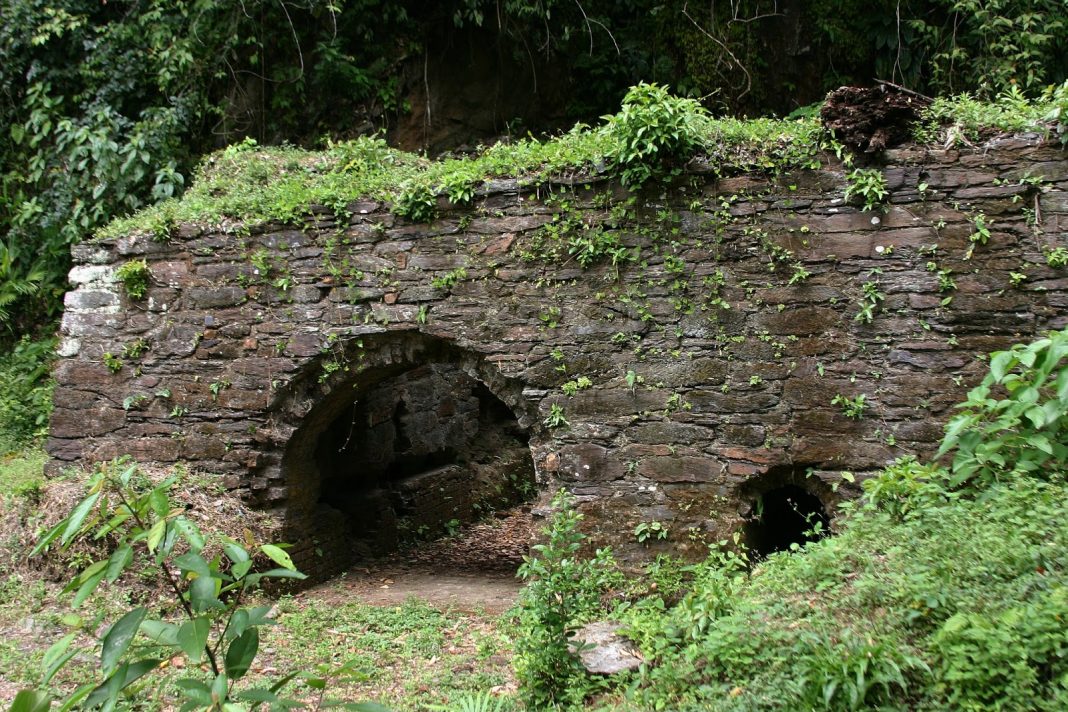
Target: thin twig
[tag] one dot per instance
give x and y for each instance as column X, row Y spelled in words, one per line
column 706, row 33
column 904, row 89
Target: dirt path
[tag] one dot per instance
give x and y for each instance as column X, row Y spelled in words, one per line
column 471, row 571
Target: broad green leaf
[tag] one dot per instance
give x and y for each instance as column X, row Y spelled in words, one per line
column 191, row 533
column 57, row 655
column 235, row 552
column 31, row 701
column 89, row 582
column 239, row 570
column 238, row 623
column 158, row 501
column 118, row 639
column 122, row 513
column 193, row 563
column 77, row 518
column 106, row 694
column 76, row 697
column 278, row 556
column 160, row 632
column 195, row 690
column 120, row 559
column 260, row 615
column 155, row 534
column 241, row 653
column 202, row 594
column 48, row 537
column 193, row 637
column 256, row 694
column 218, row 688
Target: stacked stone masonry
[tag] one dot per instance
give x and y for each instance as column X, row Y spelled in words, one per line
column 712, row 361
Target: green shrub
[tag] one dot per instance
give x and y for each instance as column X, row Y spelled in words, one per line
column 654, row 132
column 1014, row 423
column 868, row 184
column 416, row 202
column 25, row 392
column 563, row 590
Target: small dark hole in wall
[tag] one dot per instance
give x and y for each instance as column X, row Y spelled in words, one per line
column 783, row 516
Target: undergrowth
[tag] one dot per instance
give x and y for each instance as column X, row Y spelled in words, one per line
column 946, row 587
column 25, row 393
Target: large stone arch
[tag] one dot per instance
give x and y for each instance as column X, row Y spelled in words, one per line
column 451, row 396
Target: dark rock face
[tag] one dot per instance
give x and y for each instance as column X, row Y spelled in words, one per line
column 387, row 375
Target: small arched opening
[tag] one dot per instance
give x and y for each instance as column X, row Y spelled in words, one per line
column 785, row 509
column 403, row 452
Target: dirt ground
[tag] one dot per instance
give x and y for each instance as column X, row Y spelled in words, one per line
column 474, row 570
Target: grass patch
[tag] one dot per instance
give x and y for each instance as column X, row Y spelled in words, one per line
column 409, row 657
column 22, row 472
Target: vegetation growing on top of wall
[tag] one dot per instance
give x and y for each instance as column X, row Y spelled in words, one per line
column 246, row 183
column 652, row 137
column 955, row 119
column 944, row 588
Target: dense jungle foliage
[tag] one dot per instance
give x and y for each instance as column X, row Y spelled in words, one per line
column 109, row 105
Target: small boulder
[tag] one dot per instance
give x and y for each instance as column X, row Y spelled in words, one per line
column 603, row 651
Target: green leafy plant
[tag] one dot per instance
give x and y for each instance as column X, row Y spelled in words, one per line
column 851, row 407
column 113, row 362
column 869, row 303
column 459, row 186
column 992, row 46
column 869, row 186
column 653, row 132
column 135, row 349
column 1058, row 112
column 570, row 388
column 474, row 702
column 556, row 417
column 550, row 317
column 25, row 392
column 562, row 589
column 450, row 279
column 645, row 531
column 980, row 234
column 1015, row 422
column 416, row 202
column 1057, row 257
column 135, row 277
column 207, row 624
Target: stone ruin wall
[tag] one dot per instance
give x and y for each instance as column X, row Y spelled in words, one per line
column 693, row 408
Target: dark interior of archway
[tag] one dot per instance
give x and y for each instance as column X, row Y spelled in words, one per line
column 784, row 516
column 415, row 456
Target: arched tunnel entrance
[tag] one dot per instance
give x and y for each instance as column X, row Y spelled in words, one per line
column 403, row 454
column 785, row 509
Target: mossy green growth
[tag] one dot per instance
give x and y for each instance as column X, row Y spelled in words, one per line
column 650, row 138
column 247, row 184
column 134, row 275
